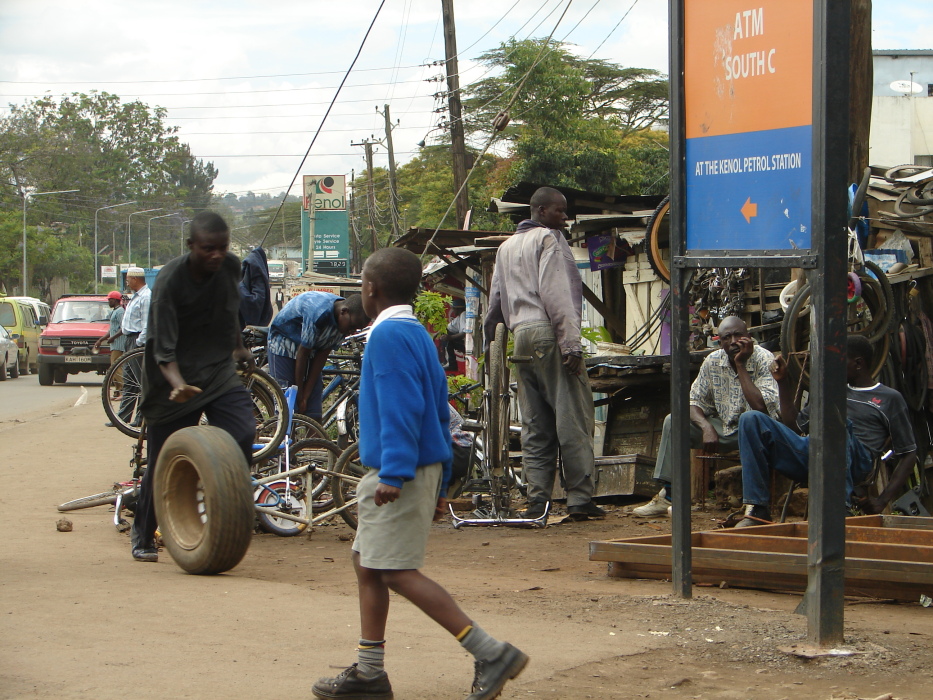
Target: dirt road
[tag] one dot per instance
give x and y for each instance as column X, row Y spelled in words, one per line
column 80, row 619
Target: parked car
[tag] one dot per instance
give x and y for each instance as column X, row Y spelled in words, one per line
column 9, row 356
column 21, row 320
column 67, row 343
column 43, row 310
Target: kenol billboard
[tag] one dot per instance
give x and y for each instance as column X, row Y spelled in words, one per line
column 325, row 192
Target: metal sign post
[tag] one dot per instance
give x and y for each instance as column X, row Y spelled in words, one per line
column 759, row 107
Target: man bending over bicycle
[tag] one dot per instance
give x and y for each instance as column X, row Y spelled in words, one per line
column 193, row 343
column 301, row 338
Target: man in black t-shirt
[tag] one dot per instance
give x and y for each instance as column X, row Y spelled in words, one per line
column 876, row 417
column 193, row 343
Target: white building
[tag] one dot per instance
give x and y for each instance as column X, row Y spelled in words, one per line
column 902, row 108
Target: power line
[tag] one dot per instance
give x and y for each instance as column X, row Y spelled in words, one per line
column 324, row 119
column 195, row 80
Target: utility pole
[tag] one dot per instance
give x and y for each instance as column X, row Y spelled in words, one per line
column 457, row 143
column 393, row 187
column 368, row 145
column 355, row 263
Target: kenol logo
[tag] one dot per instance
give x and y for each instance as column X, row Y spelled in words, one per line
column 326, row 192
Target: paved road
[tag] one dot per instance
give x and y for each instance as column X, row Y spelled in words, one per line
column 23, row 397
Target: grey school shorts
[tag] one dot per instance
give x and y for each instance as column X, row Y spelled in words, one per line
column 395, row 535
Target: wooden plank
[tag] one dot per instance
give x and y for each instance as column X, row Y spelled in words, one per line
column 886, row 556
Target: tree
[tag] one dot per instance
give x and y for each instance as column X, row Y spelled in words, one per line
column 111, row 152
column 582, row 123
column 51, row 252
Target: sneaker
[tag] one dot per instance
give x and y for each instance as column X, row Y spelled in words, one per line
column 755, row 515
column 535, row 510
column 491, row 676
column 585, row 511
column 656, row 507
column 350, row 685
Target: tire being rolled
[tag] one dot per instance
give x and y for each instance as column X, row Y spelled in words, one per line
column 203, row 500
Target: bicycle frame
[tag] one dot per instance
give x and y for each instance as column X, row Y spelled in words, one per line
column 260, row 485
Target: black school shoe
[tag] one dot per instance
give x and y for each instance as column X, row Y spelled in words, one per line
column 492, row 675
column 143, row 551
column 585, row 511
column 535, row 510
column 350, row 685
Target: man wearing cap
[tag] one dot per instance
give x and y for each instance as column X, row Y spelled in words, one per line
column 134, row 331
column 455, row 338
column 115, row 338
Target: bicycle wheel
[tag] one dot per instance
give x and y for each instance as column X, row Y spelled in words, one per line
column 320, row 457
column 304, row 427
column 269, row 409
column 286, row 496
column 658, row 237
column 348, row 472
column 795, row 330
column 125, row 377
column 107, row 498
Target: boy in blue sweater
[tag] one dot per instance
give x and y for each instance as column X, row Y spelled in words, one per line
column 405, row 443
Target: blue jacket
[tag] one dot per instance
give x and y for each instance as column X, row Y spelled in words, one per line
column 404, row 413
column 255, row 292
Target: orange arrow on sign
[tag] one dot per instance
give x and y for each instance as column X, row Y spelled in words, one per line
column 749, row 209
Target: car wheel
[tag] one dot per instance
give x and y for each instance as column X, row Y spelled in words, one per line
column 45, row 375
column 3, row 368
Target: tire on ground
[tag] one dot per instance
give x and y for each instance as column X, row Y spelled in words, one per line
column 204, row 500
column 45, row 375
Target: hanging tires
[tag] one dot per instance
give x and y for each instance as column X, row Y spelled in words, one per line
column 204, row 500
column 658, row 237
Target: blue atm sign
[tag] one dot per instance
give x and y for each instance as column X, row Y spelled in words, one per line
column 748, row 117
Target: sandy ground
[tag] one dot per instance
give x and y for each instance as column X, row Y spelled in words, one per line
column 80, row 618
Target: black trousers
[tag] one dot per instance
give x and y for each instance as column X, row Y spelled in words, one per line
column 232, row 412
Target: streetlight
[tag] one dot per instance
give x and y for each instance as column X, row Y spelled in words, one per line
column 26, row 196
column 150, row 234
column 129, row 232
column 96, row 267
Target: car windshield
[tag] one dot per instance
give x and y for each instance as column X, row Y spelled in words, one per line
column 83, row 311
column 7, row 317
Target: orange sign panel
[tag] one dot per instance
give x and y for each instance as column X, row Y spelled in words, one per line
column 747, row 65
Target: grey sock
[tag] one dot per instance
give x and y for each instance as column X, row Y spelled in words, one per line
column 478, row 642
column 371, row 658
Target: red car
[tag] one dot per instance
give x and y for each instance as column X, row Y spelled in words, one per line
column 66, row 346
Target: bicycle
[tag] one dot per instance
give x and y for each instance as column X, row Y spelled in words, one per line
column 122, row 495
column 268, row 400
column 489, row 459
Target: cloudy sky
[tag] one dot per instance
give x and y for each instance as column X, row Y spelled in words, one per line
column 248, row 83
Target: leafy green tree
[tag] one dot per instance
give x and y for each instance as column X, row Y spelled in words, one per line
column 51, row 252
column 109, row 150
column 583, row 123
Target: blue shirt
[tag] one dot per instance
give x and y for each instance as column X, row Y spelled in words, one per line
column 137, row 315
column 307, row 320
column 404, row 414
column 116, row 325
